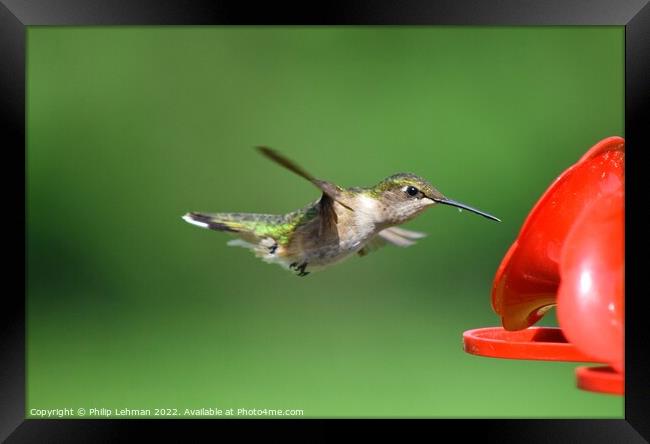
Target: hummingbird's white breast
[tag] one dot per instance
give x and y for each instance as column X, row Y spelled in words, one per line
column 357, row 227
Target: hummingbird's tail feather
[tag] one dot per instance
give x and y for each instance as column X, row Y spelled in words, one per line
column 264, row 234
column 211, row 221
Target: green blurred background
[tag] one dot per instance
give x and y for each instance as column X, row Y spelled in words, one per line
column 129, row 128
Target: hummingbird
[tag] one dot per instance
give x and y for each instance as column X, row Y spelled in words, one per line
column 341, row 223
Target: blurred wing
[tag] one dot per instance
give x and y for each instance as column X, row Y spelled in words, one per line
column 331, row 190
column 402, row 232
column 393, row 235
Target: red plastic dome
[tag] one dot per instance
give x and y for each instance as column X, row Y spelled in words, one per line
column 526, row 283
column 569, row 253
column 592, row 287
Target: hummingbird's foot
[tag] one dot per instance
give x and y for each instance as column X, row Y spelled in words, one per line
column 273, row 248
column 300, row 268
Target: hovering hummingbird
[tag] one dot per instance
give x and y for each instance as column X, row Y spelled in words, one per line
column 343, row 222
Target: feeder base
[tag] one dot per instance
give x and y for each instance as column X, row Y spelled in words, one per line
column 600, row 379
column 537, row 343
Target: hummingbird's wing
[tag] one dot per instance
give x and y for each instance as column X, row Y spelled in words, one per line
column 328, row 216
column 393, row 235
column 402, row 232
column 332, row 191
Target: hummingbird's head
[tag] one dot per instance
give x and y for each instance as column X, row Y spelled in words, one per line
column 403, row 196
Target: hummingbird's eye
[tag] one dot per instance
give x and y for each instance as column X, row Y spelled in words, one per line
column 412, row 191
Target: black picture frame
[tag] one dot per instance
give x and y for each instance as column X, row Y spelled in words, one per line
column 16, row 15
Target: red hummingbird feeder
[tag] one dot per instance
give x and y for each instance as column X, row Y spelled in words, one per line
column 569, row 254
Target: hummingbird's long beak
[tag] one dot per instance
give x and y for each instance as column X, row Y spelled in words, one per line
column 453, row 203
